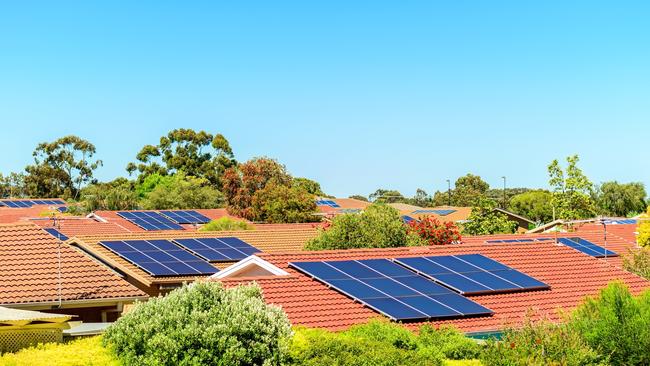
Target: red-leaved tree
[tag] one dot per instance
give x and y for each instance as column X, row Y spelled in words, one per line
column 434, row 231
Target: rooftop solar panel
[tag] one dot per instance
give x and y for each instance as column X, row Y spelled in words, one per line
column 472, row 274
column 391, row 289
column 150, row 220
column 218, row 249
column 160, row 257
column 407, row 219
column 186, row 217
column 587, row 247
column 56, row 233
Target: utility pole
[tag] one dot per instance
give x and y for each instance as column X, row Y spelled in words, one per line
column 449, row 192
column 504, row 192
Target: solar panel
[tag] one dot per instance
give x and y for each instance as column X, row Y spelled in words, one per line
column 444, row 212
column 186, row 217
column 150, row 220
column 472, row 274
column 62, row 209
column 407, row 219
column 527, row 240
column 587, row 247
column 56, row 233
column 218, row 249
column 391, row 289
column 160, row 257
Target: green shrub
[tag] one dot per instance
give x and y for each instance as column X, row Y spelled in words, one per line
column 385, row 332
column 86, row 351
column 541, row 343
column 452, row 343
column 643, row 239
column 638, row 262
column 314, row 347
column 616, row 324
column 226, row 224
column 202, row 324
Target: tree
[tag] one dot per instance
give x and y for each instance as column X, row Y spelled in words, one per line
column 12, row 185
column 387, row 196
column 496, row 194
column 572, row 190
column 277, row 203
column 638, row 262
column 435, row 232
column 615, row 199
column 116, row 195
column 202, row 324
column 359, row 197
column 61, row 168
column 535, row 205
column 378, row 226
column 468, row 190
column 240, row 183
column 310, row 186
column 484, row 220
column 197, row 154
column 421, row 198
column 179, row 191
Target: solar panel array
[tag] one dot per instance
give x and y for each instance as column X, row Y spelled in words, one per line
column 437, row 212
column 186, row 217
column 327, row 203
column 527, row 240
column 218, row 249
column 408, row 219
column 56, row 233
column 149, row 220
column 622, row 222
column 587, row 247
column 391, row 289
column 30, row 203
column 472, row 274
column 160, row 257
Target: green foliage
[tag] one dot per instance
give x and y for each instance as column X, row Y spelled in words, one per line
column 81, row 352
column 116, row 195
column 535, row 205
column 12, row 185
column 359, row 197
column 310, row 186
column 452, row 343
column 496, row 194
column 202, row 324
column 541, row 343
column 435, row 232
column 226, row 224
column 469, row 190
column 387, row 196
column 378, row 226
column 572, row 190
column 197, row 154
column 61, row 168
column 616, row 324
column 484, row 220
column 314, row 347
column 277, row 203
column 638, row 262
column 643, row 239
column 616, row 199
column 179, row 191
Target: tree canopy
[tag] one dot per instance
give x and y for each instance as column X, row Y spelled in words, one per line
column 535, row 205
column 572, row 190
column 61, row 168
column 485, row 220
column 621, row 199
column 468, row 191
column 378, row 226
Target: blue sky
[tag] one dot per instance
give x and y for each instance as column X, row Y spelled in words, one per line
column 357, row 95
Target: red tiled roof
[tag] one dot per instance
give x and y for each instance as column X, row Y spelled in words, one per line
column 10, row 215
column 29, row 272
column 571, row 275
column 75, row 226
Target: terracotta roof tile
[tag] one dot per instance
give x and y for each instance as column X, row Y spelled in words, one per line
column 29, row 270
column 74, row 226
column 571, row 275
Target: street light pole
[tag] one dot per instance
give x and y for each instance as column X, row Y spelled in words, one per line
column 504, row 192
column 449, row 192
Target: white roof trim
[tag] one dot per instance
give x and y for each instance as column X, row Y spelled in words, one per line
column 253, row 260
column 94, row 216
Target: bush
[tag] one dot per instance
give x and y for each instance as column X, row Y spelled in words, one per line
column 452, row 343
column 86, row 351
column 541, row 343
column 202, row 324
column 616, row 324
column 435, row 232
column 378, row 226
column 644, row 230
column 314, row 347
column 638, row 262
column 385, row 332
column 226, row 224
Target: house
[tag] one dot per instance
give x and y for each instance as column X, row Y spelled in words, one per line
column 15, row 210
column 271, row 240
column 330, row 207
column 569, row 275
column 39, row 272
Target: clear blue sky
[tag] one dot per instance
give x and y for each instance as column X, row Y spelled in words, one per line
column 355, row 94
